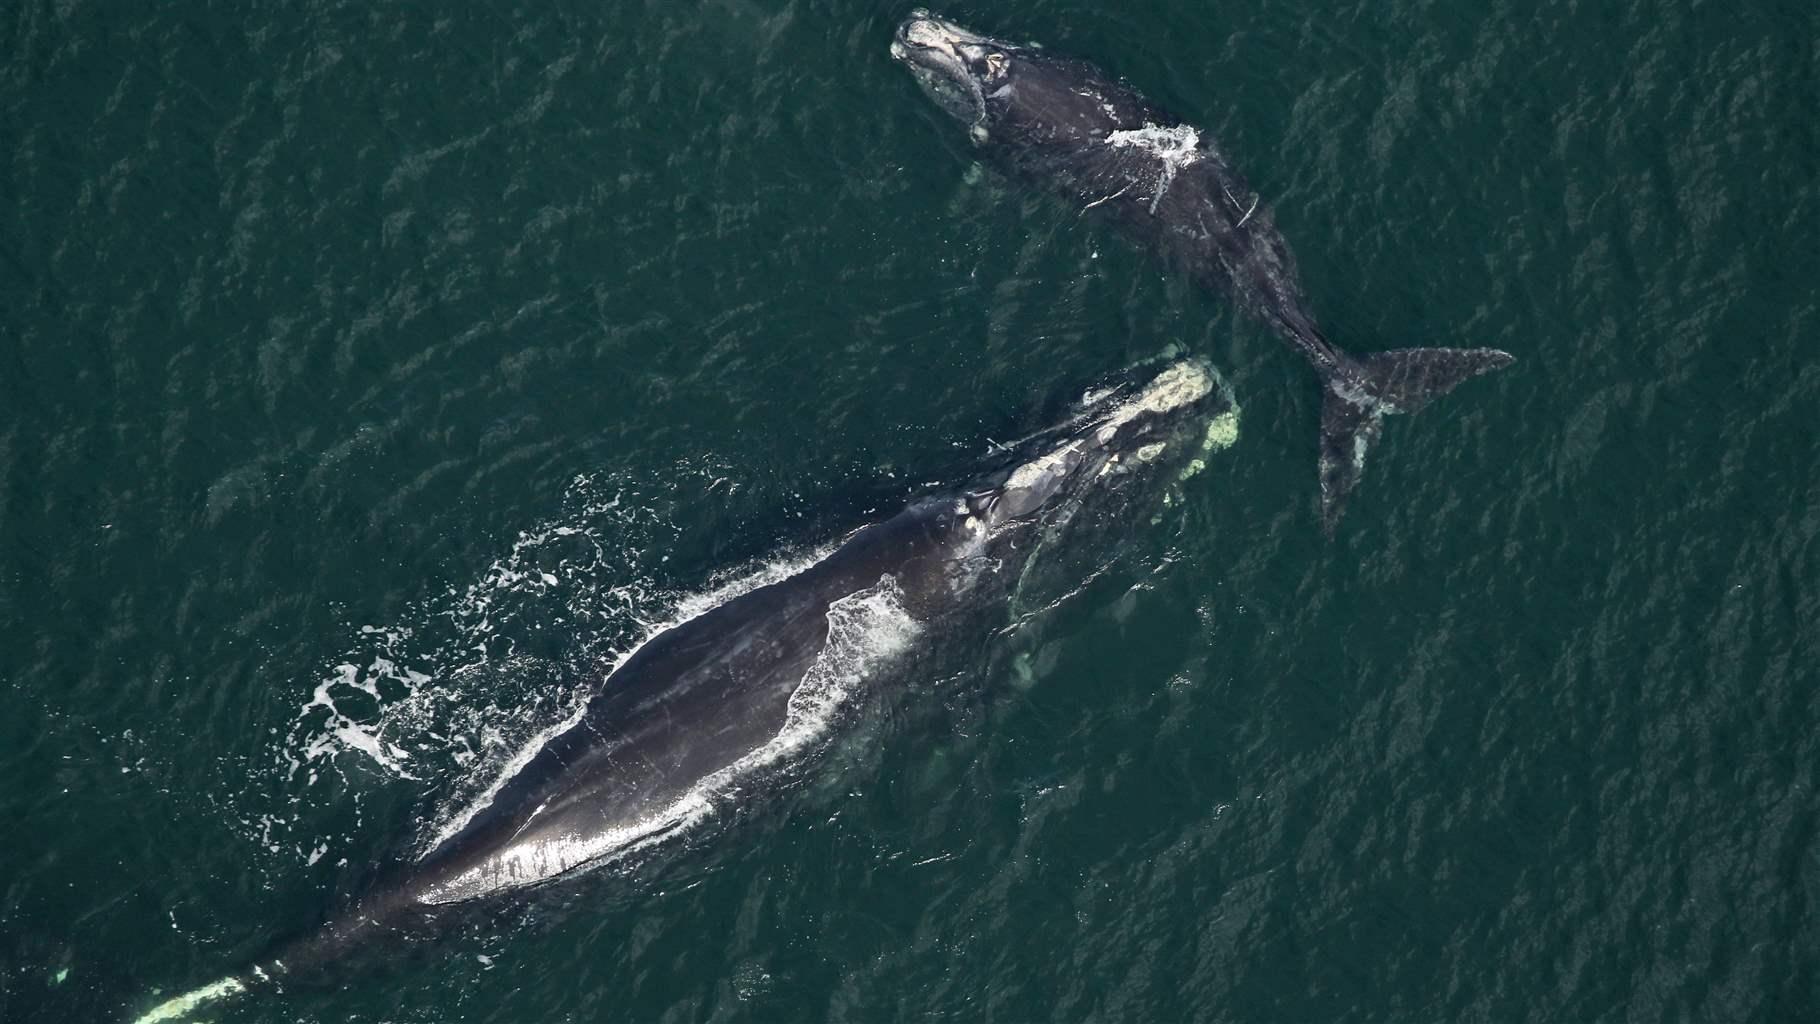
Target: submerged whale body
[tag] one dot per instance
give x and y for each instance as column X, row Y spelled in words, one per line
column 702, row 704
column 1095, row 140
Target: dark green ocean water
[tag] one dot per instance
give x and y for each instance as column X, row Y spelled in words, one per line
column 369, row 373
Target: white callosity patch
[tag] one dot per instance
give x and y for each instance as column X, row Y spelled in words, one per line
column 864, row 629
column 1173, row 148
column 1180, row 385
column 1222, row 433
column 937, row 55
column 1175, row 387
column 1034, row 472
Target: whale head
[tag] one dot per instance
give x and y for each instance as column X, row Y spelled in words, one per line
column 1005, row 92
column 1120, row 435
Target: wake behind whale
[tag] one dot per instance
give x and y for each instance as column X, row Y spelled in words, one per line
column 704, row 707
column 1070, row 127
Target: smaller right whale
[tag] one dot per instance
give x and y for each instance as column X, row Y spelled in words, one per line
column 1066, row 124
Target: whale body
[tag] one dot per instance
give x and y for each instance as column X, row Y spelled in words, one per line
column 1070, row 127
column 704, row 703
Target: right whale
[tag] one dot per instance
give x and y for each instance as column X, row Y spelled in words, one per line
column 1097, row 141
column 703, row 710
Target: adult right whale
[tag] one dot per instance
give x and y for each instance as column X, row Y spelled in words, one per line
column 1097, row 141
column 703, row 711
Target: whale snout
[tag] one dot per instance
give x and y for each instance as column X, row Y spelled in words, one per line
column 1115, row 439
column 954, row 66
column 924, row 35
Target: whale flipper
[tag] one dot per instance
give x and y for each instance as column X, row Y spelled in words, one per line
column 1359, row 395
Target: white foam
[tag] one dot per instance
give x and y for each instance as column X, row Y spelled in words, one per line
column 396, row 712
column 443, row 694
column 1174, row 148
column 732, row 585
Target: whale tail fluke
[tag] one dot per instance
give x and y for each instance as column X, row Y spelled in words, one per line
column 301, row 959
column 1365, row 389
column 181, row 1008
